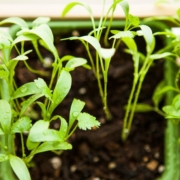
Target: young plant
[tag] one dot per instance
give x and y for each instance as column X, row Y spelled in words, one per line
column 16, row 100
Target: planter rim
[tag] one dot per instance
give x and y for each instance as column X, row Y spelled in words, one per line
column 53, row 10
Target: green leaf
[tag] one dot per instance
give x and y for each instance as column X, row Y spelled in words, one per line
column 122, row 34
column 53, row 146
column 147, row 33
column 39, row 127
column 75, row 62
column 156, row 96
column 63, row 127
column 4, row 75
column 15, row 20
column 43, row 108
column 40, row 20
column 46, row 135
column 40, row 83
column 20, row 58
column 142, row 107
column 5, row 116
column 25, row 37
column 38, row 86
column 6, row 35
column 21, row 125
column 134, row 20
column 19, row 168
column 61, row 89
column 107, row 53
column 4, row 43
column 25, row 90
column 160, row 56
column 125, row 6
column 72, row 4
column 86, row 121
column 3, row 157
column 176, row 102
column 165, row 89
column 76, row 108
column 1, row 132
column 130, row 43
column 27, row 103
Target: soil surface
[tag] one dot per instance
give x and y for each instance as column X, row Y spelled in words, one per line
column 100, row 154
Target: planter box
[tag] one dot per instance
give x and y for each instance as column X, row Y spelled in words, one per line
column 31, row 9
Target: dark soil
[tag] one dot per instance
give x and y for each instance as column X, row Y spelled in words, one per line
column 100, row 154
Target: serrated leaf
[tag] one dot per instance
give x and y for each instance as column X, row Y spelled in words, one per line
column 19, row 168
column 40, row 20
column 134, row 20
column 15, row 20
column 61, row 89
column 75, row 62
column 3, row 157
column 21, row 125
column 53, row 146
column 76, row 107
column 38, row 127
column 5, row 116
column 86, row 121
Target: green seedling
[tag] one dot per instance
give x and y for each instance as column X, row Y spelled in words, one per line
column 16, row 100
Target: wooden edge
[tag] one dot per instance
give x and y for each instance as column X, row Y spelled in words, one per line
column 32, row 11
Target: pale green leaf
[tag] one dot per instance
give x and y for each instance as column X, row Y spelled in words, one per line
column 46, row 135
column 20, row 58
column 107, row 53
column 3, row 157
column 86, row 121
column 130, row 43
column 21, row 125
column 25, row 37
column 5, row 116
column 15, row 20
column 19, row 168
column 61, row 89
column 160, row 56
column 76, row 107
column 125, row 6
column 147, row 33
column 38, row 127
column 63, row 126
column 122, row 34
column 40, row 20
column 27, row 103
column 4, row 75
column 53, row 146
column 75, row 62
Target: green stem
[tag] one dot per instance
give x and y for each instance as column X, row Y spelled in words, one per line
column 171, row 147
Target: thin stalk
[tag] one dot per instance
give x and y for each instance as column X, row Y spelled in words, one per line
column 22, row 145
column 35, row 45
column 35, row 71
